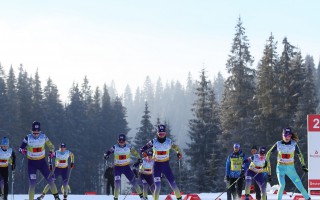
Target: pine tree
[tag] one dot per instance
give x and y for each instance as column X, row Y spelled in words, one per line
column 266, row 119
column 204, row 129
column 145, row 131
column 238, row 103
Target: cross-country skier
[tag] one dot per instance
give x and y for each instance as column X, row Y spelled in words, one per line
column 61, row 169
column 256, row 172
column 7, row 156
column 161, row 148
column 33, row 145
column 285, row 164
column 122, row 153
column 146, row 173
column 235, row 169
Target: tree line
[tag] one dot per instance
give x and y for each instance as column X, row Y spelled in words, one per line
column 204, row 116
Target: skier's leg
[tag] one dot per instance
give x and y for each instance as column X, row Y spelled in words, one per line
column 239, row 188
column 249, row 175
column 117, row 180
column 44, row 169
column 292, row 174
column 65, row 174
column 169, row 175
column 130, row 176
column 157, row 169
column 5, row 175
column 32, row 174
column 281, row 172
column 261, row 180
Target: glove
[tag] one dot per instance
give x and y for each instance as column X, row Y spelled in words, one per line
column 179, row 155
column 23, row 151
column 135, row 171
column 71, row 165
column 13, row 166
column 269, row 179
column 106, row 156
column 50, row 167
column 304, row 169
column 227, row 178
column 51, row 154
column 139, row 160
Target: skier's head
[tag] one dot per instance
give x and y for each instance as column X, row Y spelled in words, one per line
column 149, row 153
column 63, row 147
column 254, row 150
column 236, row 147
column 262, row 151
column 161, row 132
column 36, row 129
column 5, row 143
column 286, row 134
column 122, row 139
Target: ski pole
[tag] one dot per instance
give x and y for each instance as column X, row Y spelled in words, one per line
column 228, row 187
column 12, row 182
column 22, row 161
column 296, row 187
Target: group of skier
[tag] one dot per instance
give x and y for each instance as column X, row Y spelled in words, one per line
column 33, row 147
column 152, row 166
column 257, row 168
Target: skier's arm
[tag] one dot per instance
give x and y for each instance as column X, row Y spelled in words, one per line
column 228, row 166
column 71, row 157
column 176, row 148
column 147, row 146
column 135, row 153
column 268, row 169
column 299, row 153
column 24, row 143
column 110, row 151
column 272, row 149
column 49, row 145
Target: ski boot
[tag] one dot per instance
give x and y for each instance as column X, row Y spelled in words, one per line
column 40, row 197
column 246, row 197
column 179, row 198
column 64, row 197
column 141, row 197
column 56, row 197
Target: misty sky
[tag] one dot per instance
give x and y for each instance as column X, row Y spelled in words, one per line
column 127, row 40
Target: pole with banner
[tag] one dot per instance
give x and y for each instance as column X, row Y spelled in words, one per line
column 314, row 154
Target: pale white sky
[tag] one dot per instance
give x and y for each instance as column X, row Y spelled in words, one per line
column 127, row 40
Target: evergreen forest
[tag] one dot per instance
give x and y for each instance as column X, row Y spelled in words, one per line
column 205, row 115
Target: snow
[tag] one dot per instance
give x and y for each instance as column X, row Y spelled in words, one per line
column 203, row 196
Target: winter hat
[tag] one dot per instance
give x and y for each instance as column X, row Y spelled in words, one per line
column 5, row 141
column 236, row 145
column 262, row 150
column 63, row 145
column 36, row 126
column 122, row 138
column 287, row 131
column 161, row 128
column 254, row 147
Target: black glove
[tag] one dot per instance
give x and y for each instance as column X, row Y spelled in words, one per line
column 269, row 179
column 304, row 169
column 71, row 165
column 227, row 178
column 179, row 155
column 13, row 166
column 139, row 160
column 50, row 167
column 106, row 156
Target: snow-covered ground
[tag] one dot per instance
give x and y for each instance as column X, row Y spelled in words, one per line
column 203, row 196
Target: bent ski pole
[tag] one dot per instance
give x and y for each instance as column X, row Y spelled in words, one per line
column 228, row 187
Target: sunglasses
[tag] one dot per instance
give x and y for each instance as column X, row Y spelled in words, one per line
column 287, row 135
column 35, row 133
